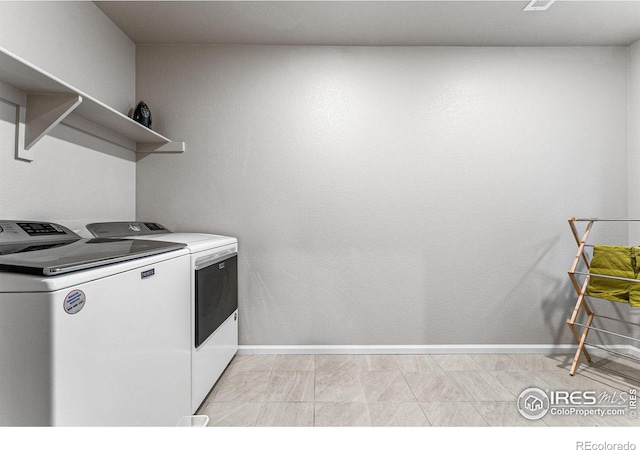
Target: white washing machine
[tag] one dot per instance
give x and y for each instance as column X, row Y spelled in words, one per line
column 93, row 332
column 213, row 295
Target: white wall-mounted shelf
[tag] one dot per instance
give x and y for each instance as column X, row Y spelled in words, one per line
column 43, row 101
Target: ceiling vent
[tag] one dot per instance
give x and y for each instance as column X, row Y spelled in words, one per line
column 538, row 5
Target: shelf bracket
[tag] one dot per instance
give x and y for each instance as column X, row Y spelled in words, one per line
column 21, row 153
column 19, row 99
column 44, row 112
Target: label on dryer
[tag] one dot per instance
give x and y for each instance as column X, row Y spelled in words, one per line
column 74, row 301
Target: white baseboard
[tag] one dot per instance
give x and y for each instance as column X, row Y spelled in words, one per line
column 424, row 349
column 403, row 349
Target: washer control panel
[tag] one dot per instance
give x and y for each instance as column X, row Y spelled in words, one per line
column 121, row 229
column 40, row 228
column 18, row 232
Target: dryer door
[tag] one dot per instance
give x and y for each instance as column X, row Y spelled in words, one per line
column 216, row 292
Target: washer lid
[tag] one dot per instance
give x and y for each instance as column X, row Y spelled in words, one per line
column 62, row 257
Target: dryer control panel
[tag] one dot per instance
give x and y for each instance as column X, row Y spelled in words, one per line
column 122, row 229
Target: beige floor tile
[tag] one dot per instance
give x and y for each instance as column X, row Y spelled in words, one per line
column 479, row 385
column 335, row 363
column 516, row 381
column 216, row 387
column 535, row 361
column 630, row 378
column 343, row 414
column 242, row 387
column 456, row 362
column 452, row 414
column 397, row 414
column 504, row 414
column 612, row 362
column 561, row 380
column 384, row 390
column 338, row 387
column 611, row 370
column 376, row 363
column 497, row 362
column 286, row 415
column 231, row 414
column 615, row 379
column 294, row 363
column 417, row 363
column 252, row 363
column 385, row 387
column 290, row 387
column 618, row 421
column 573, row 420
column 433, row 386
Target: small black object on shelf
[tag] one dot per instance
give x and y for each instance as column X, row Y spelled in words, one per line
column 142, row 114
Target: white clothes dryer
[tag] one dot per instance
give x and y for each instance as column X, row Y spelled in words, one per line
column 93, row 332
column 213, row 294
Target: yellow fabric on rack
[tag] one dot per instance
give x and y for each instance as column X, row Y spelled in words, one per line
column 615, row 261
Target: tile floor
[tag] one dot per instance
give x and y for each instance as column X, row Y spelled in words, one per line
column 405, row 390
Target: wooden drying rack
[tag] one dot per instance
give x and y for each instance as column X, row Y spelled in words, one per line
column 581, row 288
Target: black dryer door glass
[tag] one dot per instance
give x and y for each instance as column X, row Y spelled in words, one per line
column 216, row 296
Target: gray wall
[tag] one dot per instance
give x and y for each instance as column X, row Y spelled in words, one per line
column 75, row 178
column 391, row 195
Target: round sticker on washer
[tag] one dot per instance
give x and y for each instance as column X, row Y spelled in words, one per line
column 74, row 301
